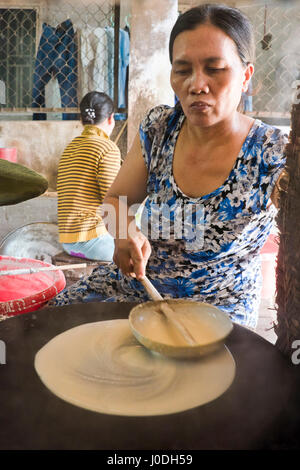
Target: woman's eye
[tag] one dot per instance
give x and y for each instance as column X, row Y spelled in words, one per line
column 181, row 72
column 215, row 69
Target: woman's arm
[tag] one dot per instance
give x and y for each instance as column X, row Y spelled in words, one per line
column 132, row 248
column 132, row 177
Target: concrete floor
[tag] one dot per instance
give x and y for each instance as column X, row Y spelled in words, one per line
column 267, row 315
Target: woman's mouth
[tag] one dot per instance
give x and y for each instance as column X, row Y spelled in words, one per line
column 199, row 106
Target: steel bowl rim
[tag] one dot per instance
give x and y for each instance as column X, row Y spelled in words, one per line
column 180, row 348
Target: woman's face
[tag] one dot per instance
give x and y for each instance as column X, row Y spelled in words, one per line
column 207, row 75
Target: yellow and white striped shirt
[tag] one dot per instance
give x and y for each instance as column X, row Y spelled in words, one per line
column 86, row 170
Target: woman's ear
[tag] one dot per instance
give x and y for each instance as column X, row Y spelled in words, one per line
column 111, row 119
column 248, row 72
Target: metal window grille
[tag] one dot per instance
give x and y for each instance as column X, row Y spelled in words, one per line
column 50, row 58
column 277, row 66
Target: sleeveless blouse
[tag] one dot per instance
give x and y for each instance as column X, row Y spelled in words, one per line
column 205, row 248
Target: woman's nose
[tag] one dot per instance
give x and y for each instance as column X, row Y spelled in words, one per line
column 198, row 83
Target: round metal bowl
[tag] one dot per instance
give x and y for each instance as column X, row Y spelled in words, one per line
column 38, row 240
column 210, row 327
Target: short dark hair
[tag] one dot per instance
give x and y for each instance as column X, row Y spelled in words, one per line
column 95, row 107
column 230, row 20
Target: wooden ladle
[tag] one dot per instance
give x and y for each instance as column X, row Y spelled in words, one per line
column 168, row 312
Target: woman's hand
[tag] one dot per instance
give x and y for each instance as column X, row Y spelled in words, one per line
column 131, row 255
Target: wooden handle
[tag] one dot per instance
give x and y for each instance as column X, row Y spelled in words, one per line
column 153, row 293
column 168, row 311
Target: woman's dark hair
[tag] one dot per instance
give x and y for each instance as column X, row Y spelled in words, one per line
column 230, row 20
column 95, row 107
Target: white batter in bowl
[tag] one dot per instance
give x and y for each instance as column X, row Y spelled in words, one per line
column 208, row 325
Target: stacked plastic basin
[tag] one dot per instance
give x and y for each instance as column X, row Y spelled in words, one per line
column 22, row 293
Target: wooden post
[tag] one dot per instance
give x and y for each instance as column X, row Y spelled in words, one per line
column 149, row 70
column 288, row 263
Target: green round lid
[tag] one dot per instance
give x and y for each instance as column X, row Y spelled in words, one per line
column 18, row 183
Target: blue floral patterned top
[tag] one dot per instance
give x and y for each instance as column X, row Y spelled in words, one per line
column 204, row 248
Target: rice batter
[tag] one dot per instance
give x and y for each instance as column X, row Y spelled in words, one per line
column 204, row 322
column 102, row 367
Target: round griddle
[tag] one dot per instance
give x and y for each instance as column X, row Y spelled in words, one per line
column 259, row 411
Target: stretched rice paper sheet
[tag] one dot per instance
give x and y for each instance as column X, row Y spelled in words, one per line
column 19, row 183
column 101, row 367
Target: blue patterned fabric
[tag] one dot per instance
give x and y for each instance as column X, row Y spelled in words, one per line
column 210, row 250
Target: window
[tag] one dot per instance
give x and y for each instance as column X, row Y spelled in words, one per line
column 51, row 57
column 17, row 55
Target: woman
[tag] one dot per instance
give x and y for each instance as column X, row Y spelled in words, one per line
column 204, row 166
column 86, row 170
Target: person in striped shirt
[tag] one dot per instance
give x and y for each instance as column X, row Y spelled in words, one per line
column 87, row 168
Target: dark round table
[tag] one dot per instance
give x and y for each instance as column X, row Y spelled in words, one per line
column 261, row 409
